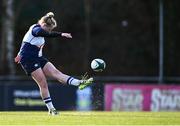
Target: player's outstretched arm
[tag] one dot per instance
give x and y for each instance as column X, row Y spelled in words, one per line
column 40, row 32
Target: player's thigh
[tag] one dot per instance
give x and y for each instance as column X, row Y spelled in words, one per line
column 39, row 77
column 50, row 70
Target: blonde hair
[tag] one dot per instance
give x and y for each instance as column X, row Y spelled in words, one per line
column 49, row 20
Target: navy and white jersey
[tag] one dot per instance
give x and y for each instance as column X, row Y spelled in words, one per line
column 34, row 41
column 31, row 38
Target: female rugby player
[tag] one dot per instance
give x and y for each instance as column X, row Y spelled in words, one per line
column 37, row 66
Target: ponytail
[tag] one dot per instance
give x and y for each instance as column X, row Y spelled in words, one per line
column 50, row 14
column 49, row 20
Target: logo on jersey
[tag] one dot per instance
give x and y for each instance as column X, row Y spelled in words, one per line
column 36, row 65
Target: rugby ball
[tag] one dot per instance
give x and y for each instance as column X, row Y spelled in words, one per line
column 98, row 65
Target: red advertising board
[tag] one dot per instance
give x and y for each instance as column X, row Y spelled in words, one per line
column 143, row 97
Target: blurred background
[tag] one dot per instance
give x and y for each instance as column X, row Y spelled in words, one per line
column 138, row 40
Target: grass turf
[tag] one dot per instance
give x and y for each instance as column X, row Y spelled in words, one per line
column 90, row 118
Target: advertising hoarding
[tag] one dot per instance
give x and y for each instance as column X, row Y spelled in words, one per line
column 123, row 97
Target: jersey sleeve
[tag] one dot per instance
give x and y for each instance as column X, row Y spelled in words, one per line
column 37, row 31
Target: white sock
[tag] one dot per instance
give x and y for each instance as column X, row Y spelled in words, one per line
column 73, row 81
column 48, row 103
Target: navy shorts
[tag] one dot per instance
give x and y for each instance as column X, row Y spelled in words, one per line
column 31, row 64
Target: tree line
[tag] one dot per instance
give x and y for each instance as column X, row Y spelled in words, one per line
column 122, row 32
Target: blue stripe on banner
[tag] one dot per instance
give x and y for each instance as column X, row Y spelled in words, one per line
column 68, row 80
column 46, row 98
column 48, row 101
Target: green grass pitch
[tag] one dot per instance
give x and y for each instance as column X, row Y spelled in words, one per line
column 90, row 118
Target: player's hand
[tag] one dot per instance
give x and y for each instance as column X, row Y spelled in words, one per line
column 17, row 59
column 67, row 35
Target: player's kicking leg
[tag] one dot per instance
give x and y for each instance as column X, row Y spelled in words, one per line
column 85, row 81
column 50, row 70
